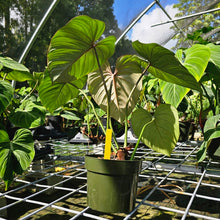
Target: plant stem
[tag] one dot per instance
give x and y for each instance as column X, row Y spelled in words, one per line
column 114, row 138
column 139, row 138
column 30, row 91
column 97, row 117
column 105, row 87
column 126, row 130
column 126, row 107
column 210, row 101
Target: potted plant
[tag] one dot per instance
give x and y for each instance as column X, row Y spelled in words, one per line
column 76, row 56
column 19, row 112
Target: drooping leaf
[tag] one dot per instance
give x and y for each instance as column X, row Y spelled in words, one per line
column 215, row 52
column 70, row 116
column 19, row 76
column 162, row 132
column 201, row 154
column 126, row 75
column 28, row 115
column 212, row 73
column 211, row 131
column 196, row 60
column 56, row 95
column 15, row 155
column 6, row 95
column 212, row 128
column 72, row 50
column 164, row 65
column 12, row 64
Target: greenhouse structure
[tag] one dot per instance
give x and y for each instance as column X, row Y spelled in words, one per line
column 110, row 109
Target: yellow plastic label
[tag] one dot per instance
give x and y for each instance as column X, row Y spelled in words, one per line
column 108, row 141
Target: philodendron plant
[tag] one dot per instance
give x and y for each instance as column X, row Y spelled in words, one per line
column 78, row 54
column 16, row 117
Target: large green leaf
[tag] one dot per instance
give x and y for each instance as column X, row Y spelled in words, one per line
column 215, row 52
column 56, row 95
column 15, row 155
column 19, row 76
column 212, row 128
column 28, row 115
column 6, row 95
column 72, row 48
column 12, row 64
column 162, row 132
column 164, row 65
column 211, row 131
column 127, row 72
column 196, row 61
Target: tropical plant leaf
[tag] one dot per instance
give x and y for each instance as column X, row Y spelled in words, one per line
column 72, row 50
column 56, row 95
column 196, row 61
column 15, row 155
column 212, row 128
column 70, row 116
column 211, row 131
column 201, row 154
column 28, row 115
column 171, row 71
column 12, row 64
column 123, row 80
column 19, row 76
column 162, row 132
column 215, row 51
column 6, row 95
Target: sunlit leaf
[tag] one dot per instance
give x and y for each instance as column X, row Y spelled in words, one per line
column 6, row 95
column 72, row 48
column 56, row 95
column 196, row 60
column 162, row 132
column 12, row 64
column 164, row 65
column 123, row 80
column 15, row 155
column 28, row 115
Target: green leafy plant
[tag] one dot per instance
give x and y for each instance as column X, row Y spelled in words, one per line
column 19, row 112
column 78, row 51
column 211, row 132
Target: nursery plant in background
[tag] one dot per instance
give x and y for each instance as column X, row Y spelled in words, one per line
column 19, row 112
column 78, row 51
column 202, row 61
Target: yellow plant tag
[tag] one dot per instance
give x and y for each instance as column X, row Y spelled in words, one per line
column 108, row 141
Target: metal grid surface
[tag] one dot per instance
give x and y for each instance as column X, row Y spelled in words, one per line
column 169, row 187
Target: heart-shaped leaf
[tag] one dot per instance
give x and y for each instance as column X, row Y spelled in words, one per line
column 212, row 128
column 196, row 60
column 123, row 80
column 215, row 51
column 73, row 47
column 6, row 95
column 162, row 132
column 56, row 95
column 15, row 155
column 28, row 115
column 164, row 65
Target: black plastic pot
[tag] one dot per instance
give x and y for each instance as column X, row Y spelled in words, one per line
column 111, row 184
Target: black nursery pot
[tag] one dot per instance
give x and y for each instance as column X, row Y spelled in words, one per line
column 111, row 184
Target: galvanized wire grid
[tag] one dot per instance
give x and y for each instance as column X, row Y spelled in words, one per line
column 169, row 187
